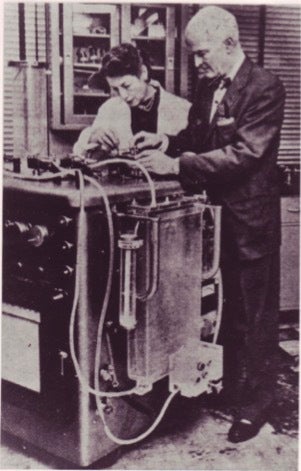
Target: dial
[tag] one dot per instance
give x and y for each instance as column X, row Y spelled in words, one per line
column 37, row 235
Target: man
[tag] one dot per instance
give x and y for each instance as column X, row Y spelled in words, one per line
column 232, row 140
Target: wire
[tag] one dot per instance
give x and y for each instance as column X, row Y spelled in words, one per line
column 215, row 213
column 143, row 435
column 219, row 281
column 79, row 249
column 107, row 294
column 79, row 246
column 103, row 163
column 96, row 392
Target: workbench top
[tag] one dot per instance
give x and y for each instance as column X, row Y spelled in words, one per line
column 117, row 189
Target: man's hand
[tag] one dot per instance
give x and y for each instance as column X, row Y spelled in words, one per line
column 147, row 140
column 105, row 138
column 157, row 162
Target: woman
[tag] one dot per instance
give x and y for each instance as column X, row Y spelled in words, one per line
column 137, row 104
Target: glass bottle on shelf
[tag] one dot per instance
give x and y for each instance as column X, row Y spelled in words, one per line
column 86, row 32
column 90, row 30
column 148, row 33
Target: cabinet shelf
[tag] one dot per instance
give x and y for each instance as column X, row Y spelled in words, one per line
column 149, row 38
column 87, row 32
column 91, row 35
column 85, row 65
column 91, row 94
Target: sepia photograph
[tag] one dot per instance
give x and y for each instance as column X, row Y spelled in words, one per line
column 150, row 235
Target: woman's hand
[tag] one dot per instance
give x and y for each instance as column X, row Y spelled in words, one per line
column 105, row 138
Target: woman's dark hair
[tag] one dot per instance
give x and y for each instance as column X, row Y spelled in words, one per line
column 124, row 59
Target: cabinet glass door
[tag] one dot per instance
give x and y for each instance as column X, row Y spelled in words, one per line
column 152, row 30
column 90, row 30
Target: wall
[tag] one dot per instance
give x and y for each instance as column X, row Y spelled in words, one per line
column 27, row 101
column 270, row 35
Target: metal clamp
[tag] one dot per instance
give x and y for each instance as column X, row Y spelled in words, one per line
column 154, row 272
column 216, row 215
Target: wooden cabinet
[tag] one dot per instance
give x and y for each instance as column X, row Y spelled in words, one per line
column 80, row 35
column 289, row 265
column 89, row 31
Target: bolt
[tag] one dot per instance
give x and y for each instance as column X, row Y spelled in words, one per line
column 108, row 409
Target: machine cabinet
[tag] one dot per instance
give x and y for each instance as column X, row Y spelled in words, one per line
column 80, row 35
column 289, row 254
column 58, row 333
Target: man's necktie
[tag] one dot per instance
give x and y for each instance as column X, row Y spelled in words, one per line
column 221, row 81
column 217, row 89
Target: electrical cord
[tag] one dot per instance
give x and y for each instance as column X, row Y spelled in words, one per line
column 79, row 248
column 134, row 163
column 63, row 174
column 80, row 245
column 219, row 281
column 96, row 392
column 131, row 441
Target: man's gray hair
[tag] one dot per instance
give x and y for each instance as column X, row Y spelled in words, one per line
column 211, row 23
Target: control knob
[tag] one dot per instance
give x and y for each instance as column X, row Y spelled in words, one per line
column 67, row 270
column 67, row 246
column 58, row 295
column 65, row 221
column 18, row 266
column 37, row 235
column 17, row 228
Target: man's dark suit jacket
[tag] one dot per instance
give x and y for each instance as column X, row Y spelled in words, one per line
column 236, row 157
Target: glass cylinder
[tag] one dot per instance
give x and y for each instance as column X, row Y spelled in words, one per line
column 128, row 245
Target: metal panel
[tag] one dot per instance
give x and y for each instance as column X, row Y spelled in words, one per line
column 20, row 347
column 289, row 273
column 172, row 315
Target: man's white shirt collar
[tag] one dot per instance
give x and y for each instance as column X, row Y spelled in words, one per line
column 220, row 92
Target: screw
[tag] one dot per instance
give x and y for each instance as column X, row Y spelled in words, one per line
column 108, row 409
